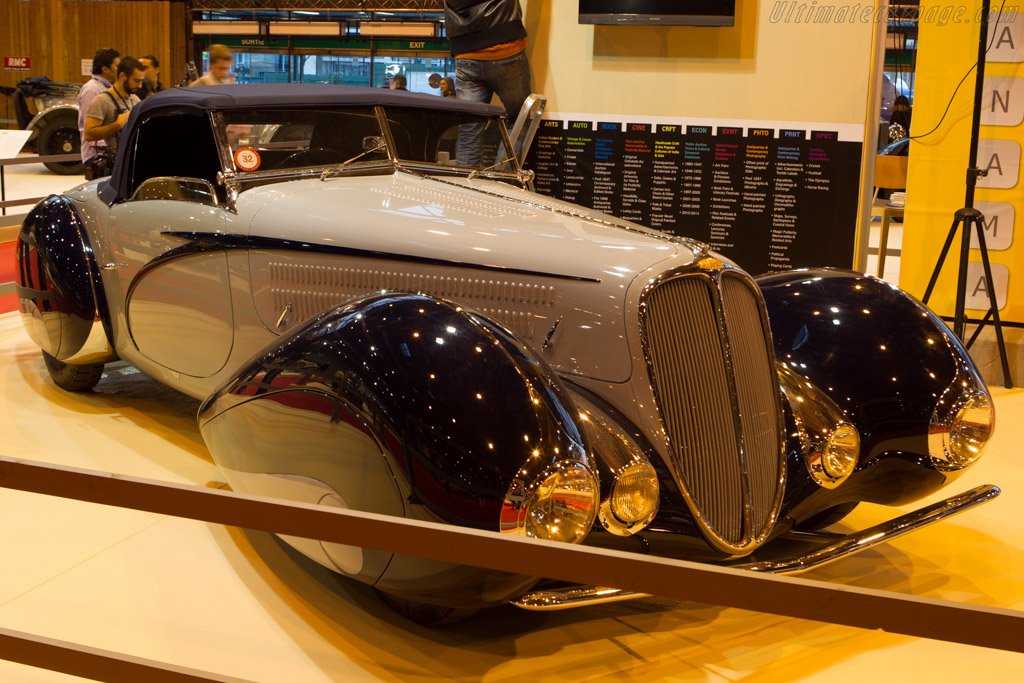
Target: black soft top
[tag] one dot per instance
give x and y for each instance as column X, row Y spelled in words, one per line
column 274, row 96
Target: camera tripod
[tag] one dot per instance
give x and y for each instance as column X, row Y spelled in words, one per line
column 970, row 218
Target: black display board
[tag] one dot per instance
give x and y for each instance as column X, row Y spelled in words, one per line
column 770, row 198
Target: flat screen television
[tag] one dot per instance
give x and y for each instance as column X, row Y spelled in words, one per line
column 658, row 12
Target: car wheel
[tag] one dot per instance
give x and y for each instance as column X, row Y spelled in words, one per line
column 828, row 517
column 60, row 136
column 73, row 377
column 423, row 613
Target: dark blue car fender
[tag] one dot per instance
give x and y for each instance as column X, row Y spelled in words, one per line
column 884, row 359
column 400, row 404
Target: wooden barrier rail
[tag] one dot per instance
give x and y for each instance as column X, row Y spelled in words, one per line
column 21, row 161
column 96, row 663
column 784, row 595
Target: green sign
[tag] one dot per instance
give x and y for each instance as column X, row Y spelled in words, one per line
column 329, row 43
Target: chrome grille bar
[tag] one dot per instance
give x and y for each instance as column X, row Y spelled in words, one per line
column 758, row 396
column 692, row 386
column 712, row 371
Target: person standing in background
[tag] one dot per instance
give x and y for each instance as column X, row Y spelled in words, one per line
column 398, row 82
column 447, row 86
column 109, row 110
column 488, row 41
column 151, row 85
column 104, row 73
column 220, row 68
column 899, row 121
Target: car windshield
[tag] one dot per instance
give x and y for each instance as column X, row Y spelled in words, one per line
column 295, row 139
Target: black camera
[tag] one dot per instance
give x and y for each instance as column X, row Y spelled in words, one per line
column 99, row 166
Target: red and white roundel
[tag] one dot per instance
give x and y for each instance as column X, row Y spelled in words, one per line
column 247, row 159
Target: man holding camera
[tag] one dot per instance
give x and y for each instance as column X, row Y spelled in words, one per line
column 104, row 73
column 109, row 112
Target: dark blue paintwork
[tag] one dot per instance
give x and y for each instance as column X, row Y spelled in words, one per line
column 884, row 359
column 57, row 272
column 459, row 406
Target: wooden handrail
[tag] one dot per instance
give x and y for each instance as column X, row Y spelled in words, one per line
column 978, row 625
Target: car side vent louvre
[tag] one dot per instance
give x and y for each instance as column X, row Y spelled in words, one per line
column 712, row 372
column 454, row 200
column 311, row 289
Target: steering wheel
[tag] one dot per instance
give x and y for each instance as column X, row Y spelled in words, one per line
column 314, row 156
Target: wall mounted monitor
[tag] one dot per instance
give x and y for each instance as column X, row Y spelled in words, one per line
column 658, row 12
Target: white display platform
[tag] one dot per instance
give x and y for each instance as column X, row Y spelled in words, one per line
column 237, row 603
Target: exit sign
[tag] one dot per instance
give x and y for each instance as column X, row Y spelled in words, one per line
column 17, row 63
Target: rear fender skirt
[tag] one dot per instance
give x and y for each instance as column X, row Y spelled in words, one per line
column 60, row 293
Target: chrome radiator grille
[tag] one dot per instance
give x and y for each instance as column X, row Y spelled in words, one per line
column 716, row 388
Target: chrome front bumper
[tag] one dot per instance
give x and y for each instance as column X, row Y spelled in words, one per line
column 832, row 549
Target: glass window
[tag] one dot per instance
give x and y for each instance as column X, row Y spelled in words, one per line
column 256, row 67
column 302, row 138
column 417, row 71
column 332, row 69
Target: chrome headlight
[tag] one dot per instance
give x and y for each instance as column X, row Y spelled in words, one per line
column 831, row 445
column 960, row 428
column 631, row 501
column 837, row 458
column 634, row 495
column 559, row 505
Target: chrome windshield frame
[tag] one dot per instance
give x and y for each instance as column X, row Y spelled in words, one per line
column 232, row 178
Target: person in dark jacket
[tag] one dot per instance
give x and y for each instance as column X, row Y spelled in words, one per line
column 488, row 41
column 152, row 84
column 899, row 121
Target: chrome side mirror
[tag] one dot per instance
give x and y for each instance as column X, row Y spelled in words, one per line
column 182, row 189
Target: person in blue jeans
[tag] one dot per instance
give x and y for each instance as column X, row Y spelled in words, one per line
column 488, row 41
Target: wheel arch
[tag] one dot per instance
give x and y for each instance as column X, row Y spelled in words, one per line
column 883, row 358
column 60, row 293
column 456, row 405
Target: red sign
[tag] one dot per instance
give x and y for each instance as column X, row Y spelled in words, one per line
column 17, row 63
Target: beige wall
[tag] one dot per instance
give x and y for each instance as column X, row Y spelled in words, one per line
column 759, row 69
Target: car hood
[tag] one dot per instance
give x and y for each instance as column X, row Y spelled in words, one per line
column 590, row 265
column 464, row 222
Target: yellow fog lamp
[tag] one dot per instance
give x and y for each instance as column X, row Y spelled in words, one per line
column 634, row 496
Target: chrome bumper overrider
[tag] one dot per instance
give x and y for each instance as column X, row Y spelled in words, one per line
column 834, row 549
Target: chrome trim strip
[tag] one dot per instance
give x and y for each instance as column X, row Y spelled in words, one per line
column 580, row 596
column 202, row 242
column 880, row 533
column 227, row 161
column 574, row 596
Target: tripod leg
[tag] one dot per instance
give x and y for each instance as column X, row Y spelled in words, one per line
column 942, row 257
column 959, row 315
column 994, row 304
column 978, row 329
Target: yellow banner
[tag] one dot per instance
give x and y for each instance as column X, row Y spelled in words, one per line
column 939, row 151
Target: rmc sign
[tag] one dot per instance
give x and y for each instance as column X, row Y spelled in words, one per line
column 17, row 63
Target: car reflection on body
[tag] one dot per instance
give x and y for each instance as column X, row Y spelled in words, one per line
column 372, row 325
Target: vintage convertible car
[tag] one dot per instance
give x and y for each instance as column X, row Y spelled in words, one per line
column 372, row 325
column 50, row 110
